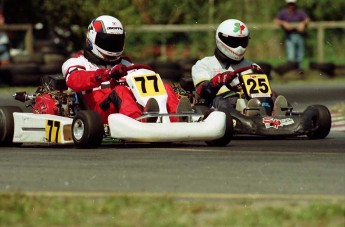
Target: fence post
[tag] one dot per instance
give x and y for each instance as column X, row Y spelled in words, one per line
column 29, row 39
column 320, row 43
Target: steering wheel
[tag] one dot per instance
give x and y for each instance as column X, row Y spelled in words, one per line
column 138, row 66
column 253, row 67
column 237, row 83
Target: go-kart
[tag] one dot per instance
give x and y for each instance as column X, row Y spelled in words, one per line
column 255, row 113
column 63, row 117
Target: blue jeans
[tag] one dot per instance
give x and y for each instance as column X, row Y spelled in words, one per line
column 4, row 55
column 294, row 44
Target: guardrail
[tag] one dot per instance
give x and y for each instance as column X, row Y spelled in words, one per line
column 320, row 26
column 27, row 28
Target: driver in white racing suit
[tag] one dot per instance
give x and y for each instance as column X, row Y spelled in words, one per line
column 213, row 76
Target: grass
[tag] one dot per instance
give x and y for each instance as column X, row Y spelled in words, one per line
column 12, row 90
column 25, row 210
column 340, row 108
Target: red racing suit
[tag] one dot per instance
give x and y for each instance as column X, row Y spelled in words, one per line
column 80, row 76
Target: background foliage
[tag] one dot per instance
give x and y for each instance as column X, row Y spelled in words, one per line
column 68, row 20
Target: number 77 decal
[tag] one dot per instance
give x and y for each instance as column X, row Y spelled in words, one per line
column 149, row 85
column 53, row 131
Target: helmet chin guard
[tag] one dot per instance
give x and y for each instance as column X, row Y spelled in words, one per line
column 232, row 38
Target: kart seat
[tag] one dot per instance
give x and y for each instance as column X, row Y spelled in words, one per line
column 58, row 82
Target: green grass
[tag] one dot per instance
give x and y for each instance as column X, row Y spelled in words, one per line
column 340, row 107
column 24, row 210
column 12, row 90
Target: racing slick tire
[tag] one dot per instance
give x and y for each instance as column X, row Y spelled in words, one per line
column 226, row 138
column 87, row 129
column 321, row 121
column 7, row 124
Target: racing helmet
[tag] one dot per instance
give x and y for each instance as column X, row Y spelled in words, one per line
column 106, row 38
column 232, row 37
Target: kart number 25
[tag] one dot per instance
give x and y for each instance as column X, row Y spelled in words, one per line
column 257, row 85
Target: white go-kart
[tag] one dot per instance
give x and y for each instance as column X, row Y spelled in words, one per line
column 68, row 121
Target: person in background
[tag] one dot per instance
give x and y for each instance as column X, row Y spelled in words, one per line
column 293, row 21
column 4, row 44
column 95, row 72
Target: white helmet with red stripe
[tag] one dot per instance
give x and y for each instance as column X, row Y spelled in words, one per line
column 232, row 37
column 106, row 38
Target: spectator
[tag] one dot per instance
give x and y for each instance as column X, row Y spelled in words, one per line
column 4, row 43
column 293, row 21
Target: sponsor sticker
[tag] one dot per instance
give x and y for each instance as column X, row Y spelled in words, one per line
column 271, row 122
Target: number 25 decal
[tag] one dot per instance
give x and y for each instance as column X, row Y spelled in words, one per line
column 52, row 131
column 257, row 85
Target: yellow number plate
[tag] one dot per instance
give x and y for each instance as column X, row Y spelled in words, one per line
column 257, row 85
column 149, row 85
column 53, row 131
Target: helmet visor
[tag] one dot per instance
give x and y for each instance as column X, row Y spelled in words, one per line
column 110, row 42
column 234, row 41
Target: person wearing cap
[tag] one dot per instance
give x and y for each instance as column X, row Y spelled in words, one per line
column 293, row 21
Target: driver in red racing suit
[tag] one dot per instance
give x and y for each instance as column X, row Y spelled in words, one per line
column 95, row 71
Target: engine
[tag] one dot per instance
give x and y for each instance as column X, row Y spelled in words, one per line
column 52, row 97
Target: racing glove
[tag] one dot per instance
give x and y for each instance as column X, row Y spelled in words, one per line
column 223, row 79
column 207, row 90
column 116, row 72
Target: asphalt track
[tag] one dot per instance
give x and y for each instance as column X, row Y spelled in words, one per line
column 249, row 167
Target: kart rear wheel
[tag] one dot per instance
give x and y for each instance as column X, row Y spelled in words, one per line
column 87, row 129
column 321, row 121
column 223, row 141
column 7, row 124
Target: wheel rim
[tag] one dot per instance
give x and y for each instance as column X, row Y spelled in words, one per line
column 78, row 129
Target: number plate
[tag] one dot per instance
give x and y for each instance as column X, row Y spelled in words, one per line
column 149, row 85
column 257, row 85
column 53, row 132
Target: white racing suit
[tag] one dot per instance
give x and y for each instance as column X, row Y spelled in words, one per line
column 204, row 70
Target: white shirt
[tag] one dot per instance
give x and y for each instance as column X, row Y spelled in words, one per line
column 206, row 68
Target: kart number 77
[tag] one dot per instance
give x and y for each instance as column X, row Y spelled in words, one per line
column 149, row 85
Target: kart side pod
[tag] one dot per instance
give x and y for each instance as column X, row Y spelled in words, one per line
column 128, row 129
column 42, row 128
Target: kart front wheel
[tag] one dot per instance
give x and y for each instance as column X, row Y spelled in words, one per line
column 321, row 121
column 87, row 129
column 223, row 141
column 7, row 124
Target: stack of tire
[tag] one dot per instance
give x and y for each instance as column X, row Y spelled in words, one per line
column 186, row 80
column 27, row 69
column 327, row 69
column 177, row 73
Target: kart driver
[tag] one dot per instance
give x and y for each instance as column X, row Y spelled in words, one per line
column 212, row 73
column 95, row 71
